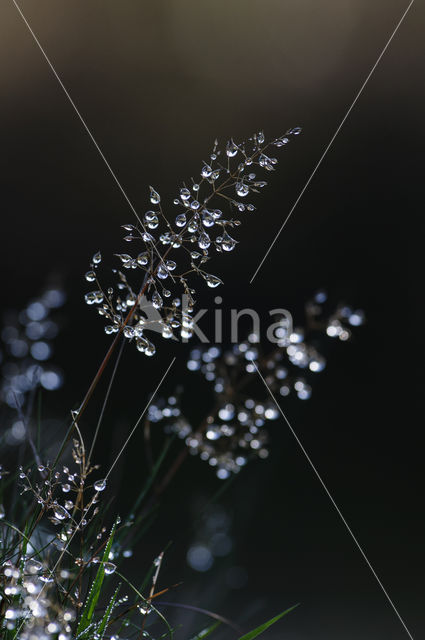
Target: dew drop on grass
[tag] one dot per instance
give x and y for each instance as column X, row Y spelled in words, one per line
column 150, row 349
column 109, row 567
column 181, row 220
column 241, row 189
column 60, row 512
column 231, row 149
column 90, row 276
column 100, row 485
column 204, row 240
column 154, row 196
column 212, row 281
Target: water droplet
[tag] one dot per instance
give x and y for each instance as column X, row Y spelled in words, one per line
column 157, row 301
column 242, row 189
column 144, row 608
column 266, row 162
column 167, row 332
column 147, row 237
column 193, row 226
column 204, row 240
column 162, row 272
column 90, row 276
column 94, row 297
column 141, row 344
column 124, row 257
column 207, row 219
column 129, row 332
column 150, row 350
column 90, row 298
column 227, row 412
column 212, row 281
column 206, row 171
column 109, row 567
column 97, row 258
column 60, row 512
column 109, row 329
column 184, row 194
column 154, row 196
column 100, row 485
column 213, row 433
column 280, row 142
column 152, row 224
column 33, row 566
column 194, row 205
column 181, row 220
column 227, row 242
column 143, row 259
column 357, row 318
column 231, row 149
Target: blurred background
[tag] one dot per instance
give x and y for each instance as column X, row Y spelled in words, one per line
column 157, row 82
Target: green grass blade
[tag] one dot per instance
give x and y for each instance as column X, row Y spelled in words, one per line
column 96, row 588
column 256, row 632
column 206, row 632
column 106, row 616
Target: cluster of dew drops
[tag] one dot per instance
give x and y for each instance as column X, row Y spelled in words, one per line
column 236, row 430
column 35, row 584
column 26, row 348
column 167, row 253
column 41, row 591
column 32, row 609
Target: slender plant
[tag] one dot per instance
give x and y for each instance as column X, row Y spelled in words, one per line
column 61, row 548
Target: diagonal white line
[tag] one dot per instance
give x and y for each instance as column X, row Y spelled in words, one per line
column 347, row 526
column 74, row 106
column 332, row 141
column 139, row 420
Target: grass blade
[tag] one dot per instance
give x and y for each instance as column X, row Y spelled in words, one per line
column 106, row 616
column 96, row 588
column 256, row 632
column 206, row 632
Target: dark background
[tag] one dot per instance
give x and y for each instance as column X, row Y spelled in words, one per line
column 156, row 82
